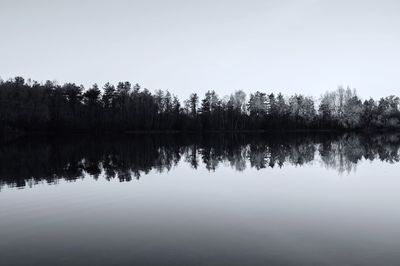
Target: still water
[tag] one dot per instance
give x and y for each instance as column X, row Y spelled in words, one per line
column 201, row 200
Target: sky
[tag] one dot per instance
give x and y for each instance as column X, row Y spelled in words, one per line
column 184, row 46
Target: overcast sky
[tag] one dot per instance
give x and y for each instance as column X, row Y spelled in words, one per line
column 304, row 46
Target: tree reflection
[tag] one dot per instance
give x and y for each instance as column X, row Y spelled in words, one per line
column 45, row 159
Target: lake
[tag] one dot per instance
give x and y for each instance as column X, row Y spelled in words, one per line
column 211, row 199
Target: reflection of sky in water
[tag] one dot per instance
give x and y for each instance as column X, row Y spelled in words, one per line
column 294, row 215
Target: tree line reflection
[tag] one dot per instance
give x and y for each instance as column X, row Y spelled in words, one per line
column 26, row 162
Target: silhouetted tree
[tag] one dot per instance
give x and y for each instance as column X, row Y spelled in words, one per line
column 27, row 105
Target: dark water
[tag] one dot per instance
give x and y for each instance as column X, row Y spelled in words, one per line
column 192, row 200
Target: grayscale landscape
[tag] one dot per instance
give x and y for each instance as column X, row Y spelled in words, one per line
column 199, row 133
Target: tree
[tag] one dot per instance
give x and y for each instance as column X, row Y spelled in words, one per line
column 271, row 105
column 352, row 113
column 209, row 102
column 193, row 103
column 238, row 101
column 108, row 98
column 91, row 97
column 209, row 107
column 257, row 105
column 302, row 109
column 281, row 106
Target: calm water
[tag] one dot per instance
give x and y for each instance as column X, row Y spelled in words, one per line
column 211, row 200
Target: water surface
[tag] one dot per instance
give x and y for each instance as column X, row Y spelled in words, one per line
column 201, row 200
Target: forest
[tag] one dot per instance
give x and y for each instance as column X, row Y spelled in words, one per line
column 30, row 106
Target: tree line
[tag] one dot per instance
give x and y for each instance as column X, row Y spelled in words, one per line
column 33, row 106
